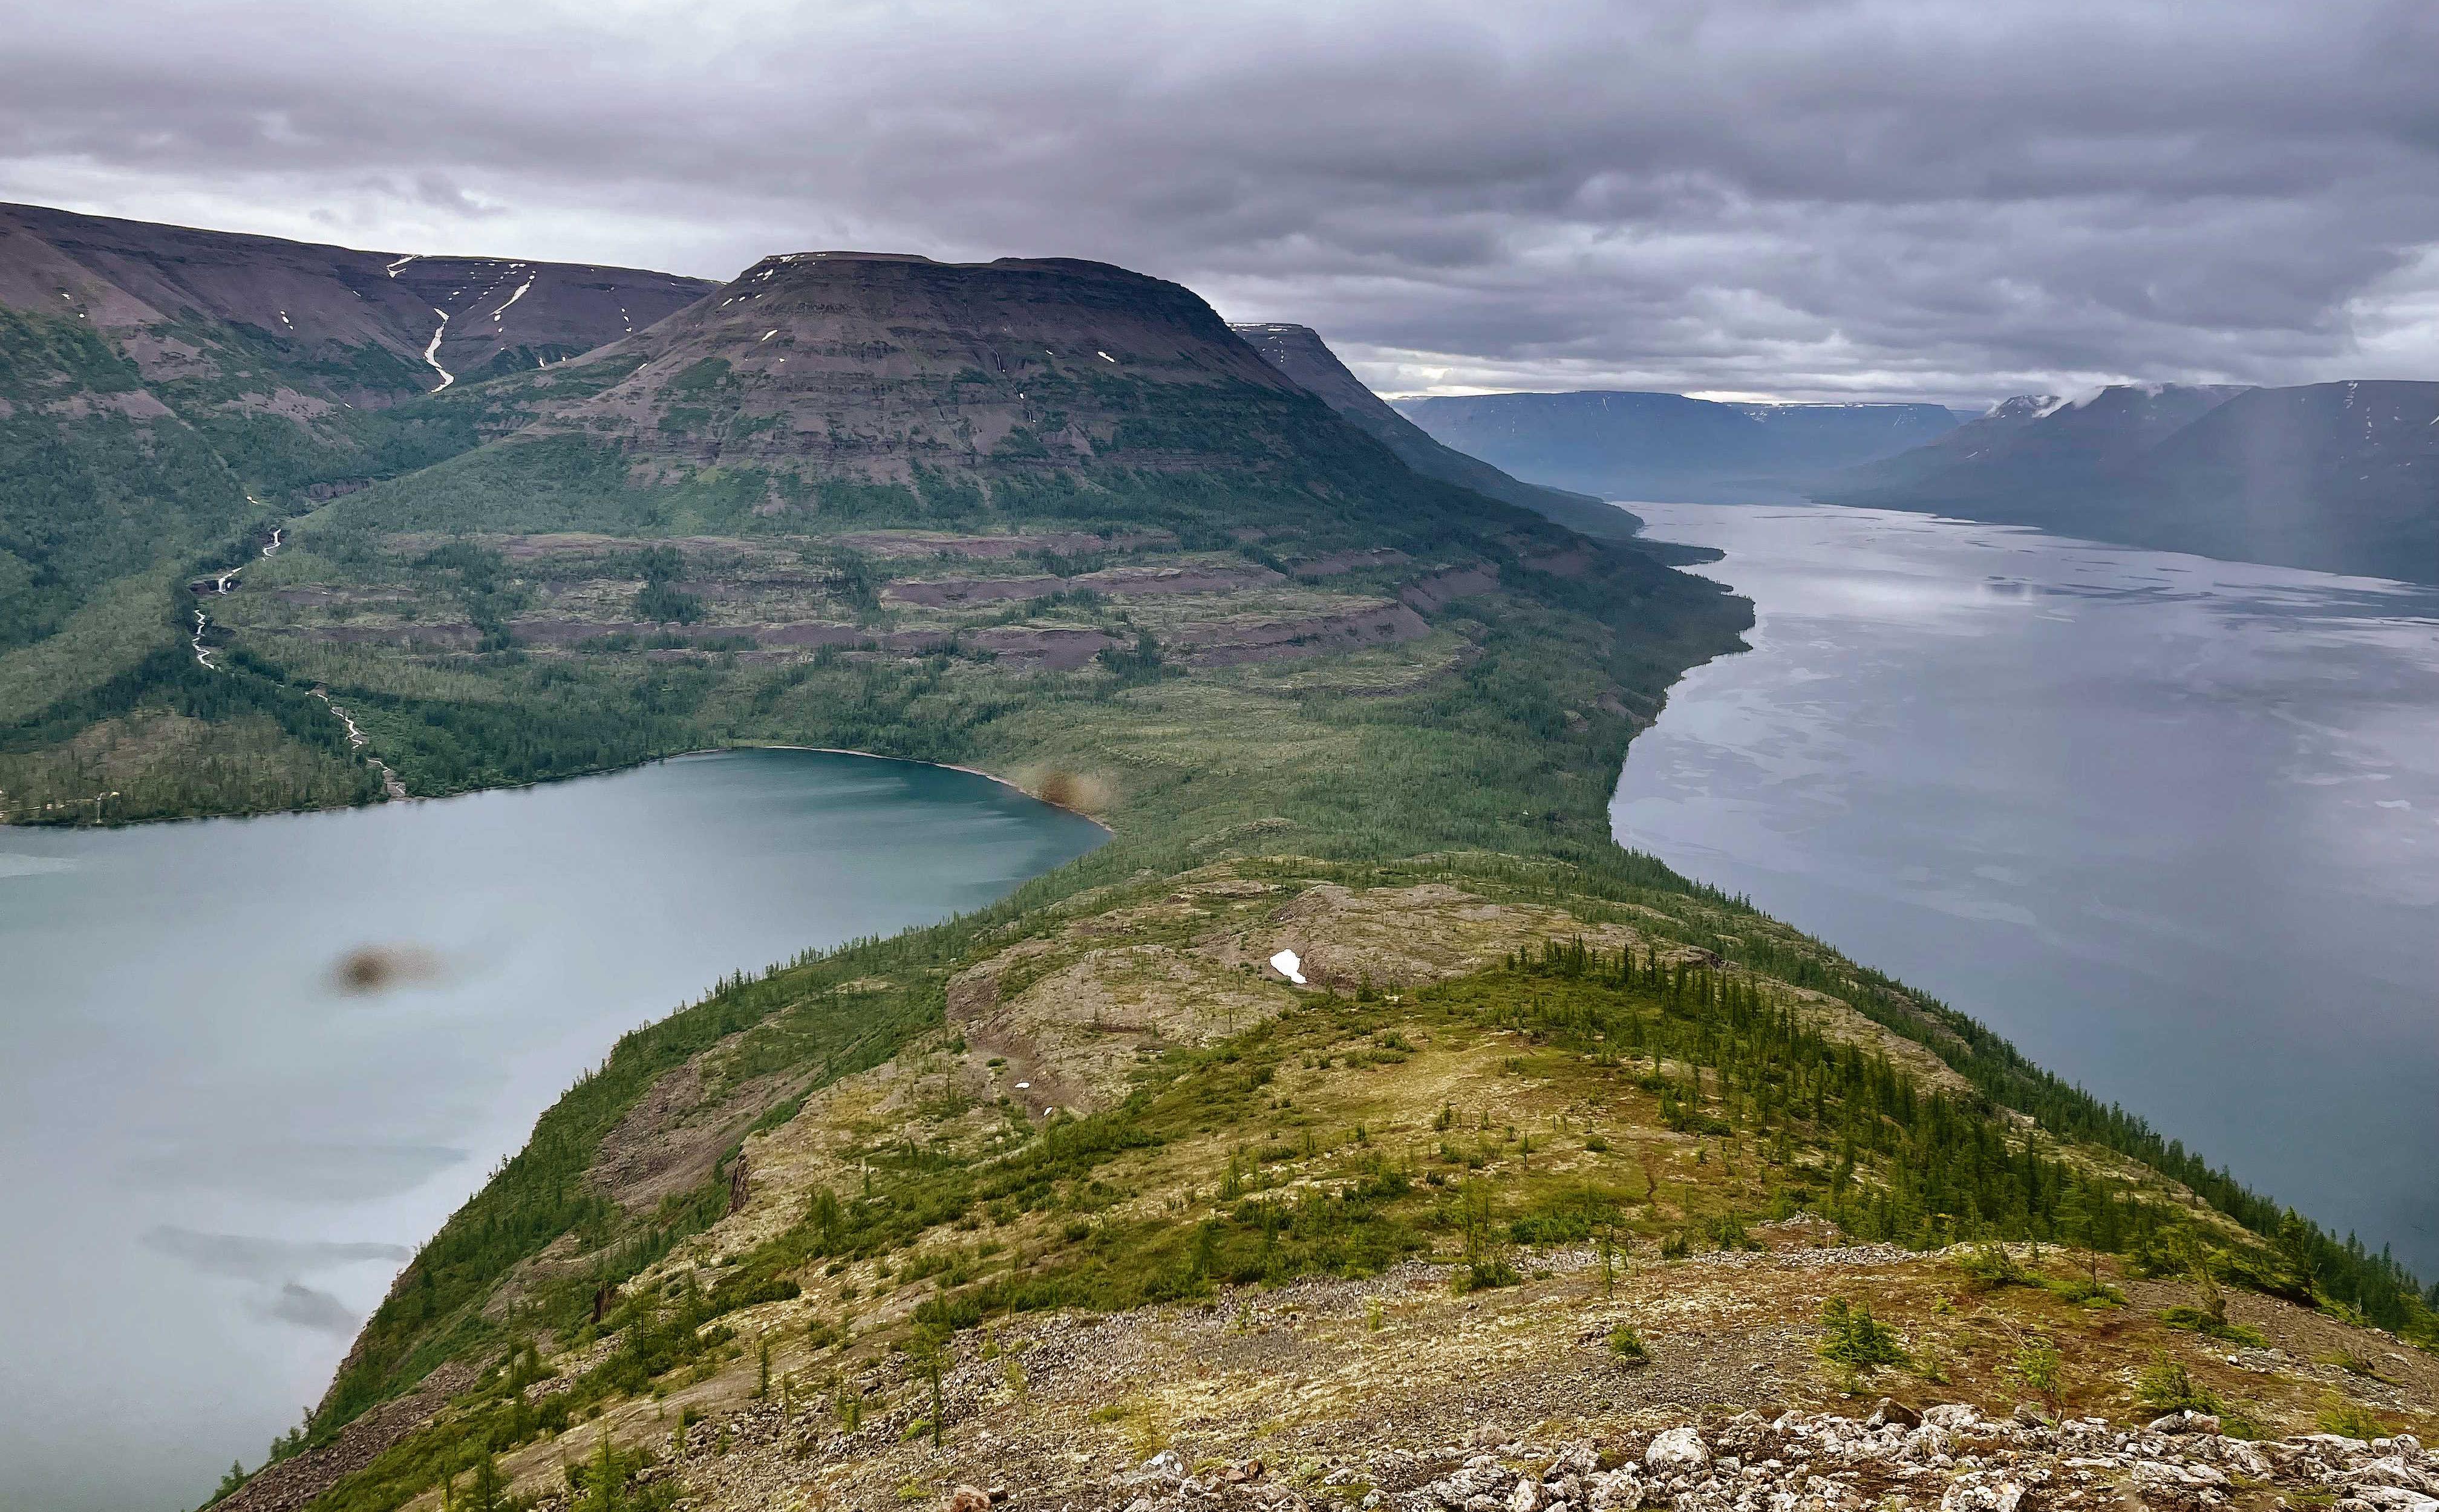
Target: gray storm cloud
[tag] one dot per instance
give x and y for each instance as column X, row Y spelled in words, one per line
column 1813, row 199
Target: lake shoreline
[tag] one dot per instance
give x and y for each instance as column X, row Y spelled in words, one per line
column 1998, row 764
column 944, row 766
column 553, row 781
column 230, row 1165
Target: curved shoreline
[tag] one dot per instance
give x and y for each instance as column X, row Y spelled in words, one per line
column 576, row 777
column 912, row 761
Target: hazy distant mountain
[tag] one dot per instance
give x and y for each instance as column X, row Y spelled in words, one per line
column 1627, row 445
column 1299, row 352
column 2341, row 477
column 2043, row 440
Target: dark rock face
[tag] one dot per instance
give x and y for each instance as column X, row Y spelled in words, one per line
column 874, row 366
column 2339, row 477
column 126, row 276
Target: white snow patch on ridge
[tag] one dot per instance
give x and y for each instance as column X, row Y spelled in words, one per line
column 512, row 300
column 1288, row 963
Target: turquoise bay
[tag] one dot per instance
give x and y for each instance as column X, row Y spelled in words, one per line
column 246, row 1065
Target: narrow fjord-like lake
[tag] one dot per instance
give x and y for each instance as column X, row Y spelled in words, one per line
column 217, row 1150
column 2171, row 824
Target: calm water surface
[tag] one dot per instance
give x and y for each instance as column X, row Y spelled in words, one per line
column 2171, row 824
column 215, row 1158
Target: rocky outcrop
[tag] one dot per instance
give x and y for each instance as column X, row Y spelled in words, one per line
column 295, row 1481
column 1952, row 1458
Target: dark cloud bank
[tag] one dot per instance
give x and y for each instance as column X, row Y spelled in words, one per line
column 1948, row 201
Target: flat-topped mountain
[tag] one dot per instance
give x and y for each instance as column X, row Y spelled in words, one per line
column 823, row 386
column 2339, row 477
column 366, row 319
column 876, row 366
column 1299, row 352
column 1624, row 444
column 1114, row 484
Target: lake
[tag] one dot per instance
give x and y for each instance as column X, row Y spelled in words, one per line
column 217, row 1153
column 2171, row 824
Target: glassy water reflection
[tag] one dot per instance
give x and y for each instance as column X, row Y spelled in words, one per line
column 2171, row 824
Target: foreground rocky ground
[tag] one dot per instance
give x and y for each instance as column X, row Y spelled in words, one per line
column 1396, row 1391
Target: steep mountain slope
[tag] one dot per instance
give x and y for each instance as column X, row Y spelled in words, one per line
column 2341, row 477
column 1103, row 481
column 1626, row 445
column 96, row 473
column 168, row 397
column 226, row 370
column 353, row 326
column 1299, row 352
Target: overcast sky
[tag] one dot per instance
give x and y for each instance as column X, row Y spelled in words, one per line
column 1954, row 201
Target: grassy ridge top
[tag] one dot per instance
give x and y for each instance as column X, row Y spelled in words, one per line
column 1089, row 1098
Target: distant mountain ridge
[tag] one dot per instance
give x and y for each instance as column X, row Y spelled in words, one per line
column 2337, row 477
column 1300, row 353
column 326, row 304
column 1628, row 444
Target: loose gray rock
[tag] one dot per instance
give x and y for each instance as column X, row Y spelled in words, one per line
column 1890, row 1411
column 1675, row 1450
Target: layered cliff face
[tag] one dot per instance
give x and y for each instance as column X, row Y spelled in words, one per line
column 874, row 366
column 1028, row 466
